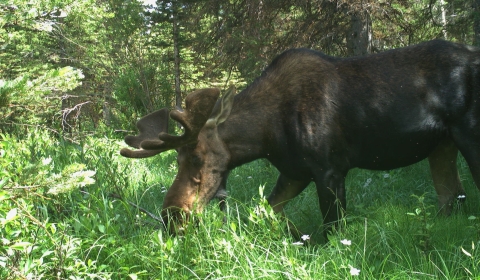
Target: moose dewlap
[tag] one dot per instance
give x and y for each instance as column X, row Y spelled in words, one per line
column 315, row 117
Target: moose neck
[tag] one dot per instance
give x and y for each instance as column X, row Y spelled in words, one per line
column 249, row 132
column 270, row 118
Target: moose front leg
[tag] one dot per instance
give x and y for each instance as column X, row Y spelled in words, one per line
column 222, row 194
column 285, row 190
column 331, row 196
column 443, row 167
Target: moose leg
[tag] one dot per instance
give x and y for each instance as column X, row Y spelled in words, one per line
column 468, row 142
column 331, row 196
column 443, row 167
column 285, row 190
column 473, row 161
column 222, row 194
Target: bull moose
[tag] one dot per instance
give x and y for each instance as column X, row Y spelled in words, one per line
column 315, row 117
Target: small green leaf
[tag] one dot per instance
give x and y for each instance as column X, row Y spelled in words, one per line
column 20, row 245
column 101, row 228
column 2, row 184
column 47, row 253
column 169, row 244
column 53, row 228
column 11, row 215
column 4, row 195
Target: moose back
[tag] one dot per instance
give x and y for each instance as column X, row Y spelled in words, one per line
column 315, row 117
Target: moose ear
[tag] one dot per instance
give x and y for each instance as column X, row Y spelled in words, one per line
column 220, row 114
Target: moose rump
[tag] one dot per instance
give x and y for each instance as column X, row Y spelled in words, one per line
column 315, row 117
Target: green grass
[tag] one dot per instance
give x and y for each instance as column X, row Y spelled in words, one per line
column 391, row 225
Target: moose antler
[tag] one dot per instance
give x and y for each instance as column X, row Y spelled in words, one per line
column 154, row 137
column 149, row 127
column 198, row 107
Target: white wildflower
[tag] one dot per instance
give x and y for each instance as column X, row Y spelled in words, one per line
column 367, row 183
column 46, row 161
column 346, row 242
column 354, row 271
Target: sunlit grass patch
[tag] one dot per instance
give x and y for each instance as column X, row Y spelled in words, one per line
column 391, row 229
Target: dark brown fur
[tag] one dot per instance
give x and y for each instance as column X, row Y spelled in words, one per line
column 316, row 117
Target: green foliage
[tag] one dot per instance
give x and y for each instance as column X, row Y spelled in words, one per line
column 422, row 220
column 472, row 266
column 137, row 88
column 122, row 52
column 27, row 198
column 91, row 230
column 26, row 164
column 28, row 100
column 86, row 67
column 7, row 88
column 35, row 90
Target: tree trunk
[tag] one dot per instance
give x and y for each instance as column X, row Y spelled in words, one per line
column 359, row 36
column 67, row 117
column 476, row 23
column 107, row 114
column 444, row 19
column 176, row 54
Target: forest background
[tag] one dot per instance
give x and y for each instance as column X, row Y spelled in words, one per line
column 75, row 76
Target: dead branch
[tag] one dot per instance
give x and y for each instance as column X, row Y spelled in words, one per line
column 141, row 209
column 67, row 111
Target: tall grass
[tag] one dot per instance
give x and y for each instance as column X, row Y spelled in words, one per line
column 92, row 231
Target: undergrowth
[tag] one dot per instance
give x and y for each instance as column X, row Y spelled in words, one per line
column 72, row 211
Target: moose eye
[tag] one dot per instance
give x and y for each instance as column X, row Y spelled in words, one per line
column 196, row 161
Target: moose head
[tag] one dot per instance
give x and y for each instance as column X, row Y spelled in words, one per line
column 202, row 156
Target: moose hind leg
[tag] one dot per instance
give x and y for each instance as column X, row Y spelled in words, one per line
column 467, row 139
column 331, row 196
column 443, row 167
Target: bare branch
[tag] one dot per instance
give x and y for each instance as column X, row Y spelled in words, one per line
column 141, row 209
column 67, row 111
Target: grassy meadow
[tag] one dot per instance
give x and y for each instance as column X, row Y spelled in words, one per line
column 66, row 212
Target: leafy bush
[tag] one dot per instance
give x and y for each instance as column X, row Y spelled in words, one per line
column 30, row 99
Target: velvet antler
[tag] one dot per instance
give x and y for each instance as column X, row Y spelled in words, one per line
column 198, row 107
column 149, row 127
column 154, row 138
